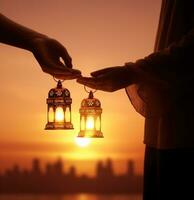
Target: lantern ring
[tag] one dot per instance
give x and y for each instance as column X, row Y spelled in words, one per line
column 56, row 80
column 88, row 90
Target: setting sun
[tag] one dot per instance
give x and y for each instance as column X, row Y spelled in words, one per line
column 82, row 142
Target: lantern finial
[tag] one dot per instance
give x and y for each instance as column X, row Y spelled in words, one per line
column 91, row 95
column 59, row 84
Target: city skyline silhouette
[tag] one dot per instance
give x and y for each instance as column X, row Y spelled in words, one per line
column 53, row 179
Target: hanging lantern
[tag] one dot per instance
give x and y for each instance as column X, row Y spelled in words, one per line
column 90, row 117
column 59, row 108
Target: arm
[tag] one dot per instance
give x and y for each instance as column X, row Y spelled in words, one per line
column 165, row 68
column 17, row 35
column 172, row 65
column 47, row 51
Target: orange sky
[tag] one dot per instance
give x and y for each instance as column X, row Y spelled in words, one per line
column 97, row 34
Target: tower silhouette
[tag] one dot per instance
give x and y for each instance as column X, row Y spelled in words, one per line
column 130, row 168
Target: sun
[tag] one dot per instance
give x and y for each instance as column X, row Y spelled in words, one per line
column 82, row 142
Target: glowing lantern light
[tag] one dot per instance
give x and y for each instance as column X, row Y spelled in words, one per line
column 90, row 117
column 90, row 123
column 59, row 114
column 59, row 108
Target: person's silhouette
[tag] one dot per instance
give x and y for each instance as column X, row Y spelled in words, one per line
column 161, row 88
column 47, row 51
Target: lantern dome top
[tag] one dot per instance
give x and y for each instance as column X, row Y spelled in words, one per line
column 59, row 91
column 90, row 101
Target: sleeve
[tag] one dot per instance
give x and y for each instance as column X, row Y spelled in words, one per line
column 166, row 77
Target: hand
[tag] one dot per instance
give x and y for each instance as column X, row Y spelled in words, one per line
column 48, row 52
column 109, row 79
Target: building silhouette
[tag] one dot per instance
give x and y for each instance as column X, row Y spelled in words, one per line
column 54, row 180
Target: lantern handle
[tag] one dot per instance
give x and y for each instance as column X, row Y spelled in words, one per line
column 88, row 90
column 56, row 80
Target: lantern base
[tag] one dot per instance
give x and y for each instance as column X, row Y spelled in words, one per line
column 90, row 134
column 59, row 126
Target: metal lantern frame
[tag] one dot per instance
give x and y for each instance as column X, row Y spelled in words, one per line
column 90, row 117
column 59, row 108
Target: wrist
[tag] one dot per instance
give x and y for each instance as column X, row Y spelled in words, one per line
column 34, row 39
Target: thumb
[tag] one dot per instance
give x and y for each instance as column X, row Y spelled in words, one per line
column 75, row 71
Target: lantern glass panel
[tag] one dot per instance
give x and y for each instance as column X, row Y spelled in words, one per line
column 59, row 114
column 98, row 124
column 51, row 115
column 82, row 123
column 67, row 115
column 90, row 123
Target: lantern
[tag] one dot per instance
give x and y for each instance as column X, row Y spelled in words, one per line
column 90, row 117
column 59, row 108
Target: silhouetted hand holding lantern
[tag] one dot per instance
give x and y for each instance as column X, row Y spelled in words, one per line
column 47, row 51
column 110, row 79
column 115, row 78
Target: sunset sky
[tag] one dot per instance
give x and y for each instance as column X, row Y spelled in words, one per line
column 97, row 34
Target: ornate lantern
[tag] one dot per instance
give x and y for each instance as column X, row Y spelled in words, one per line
column 90, row 117
column 59, row 108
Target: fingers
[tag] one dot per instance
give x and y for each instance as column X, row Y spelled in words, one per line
column 75, row 71
column 71, row 74
column 66, row 58
column 89, row 82
column 56, row 68
column 101, row 72
column 65, row 74
column 47, row 52
column 109, row 79
column 98, row 84
column 60, row 70
column 66, row 77
column 60, row 51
